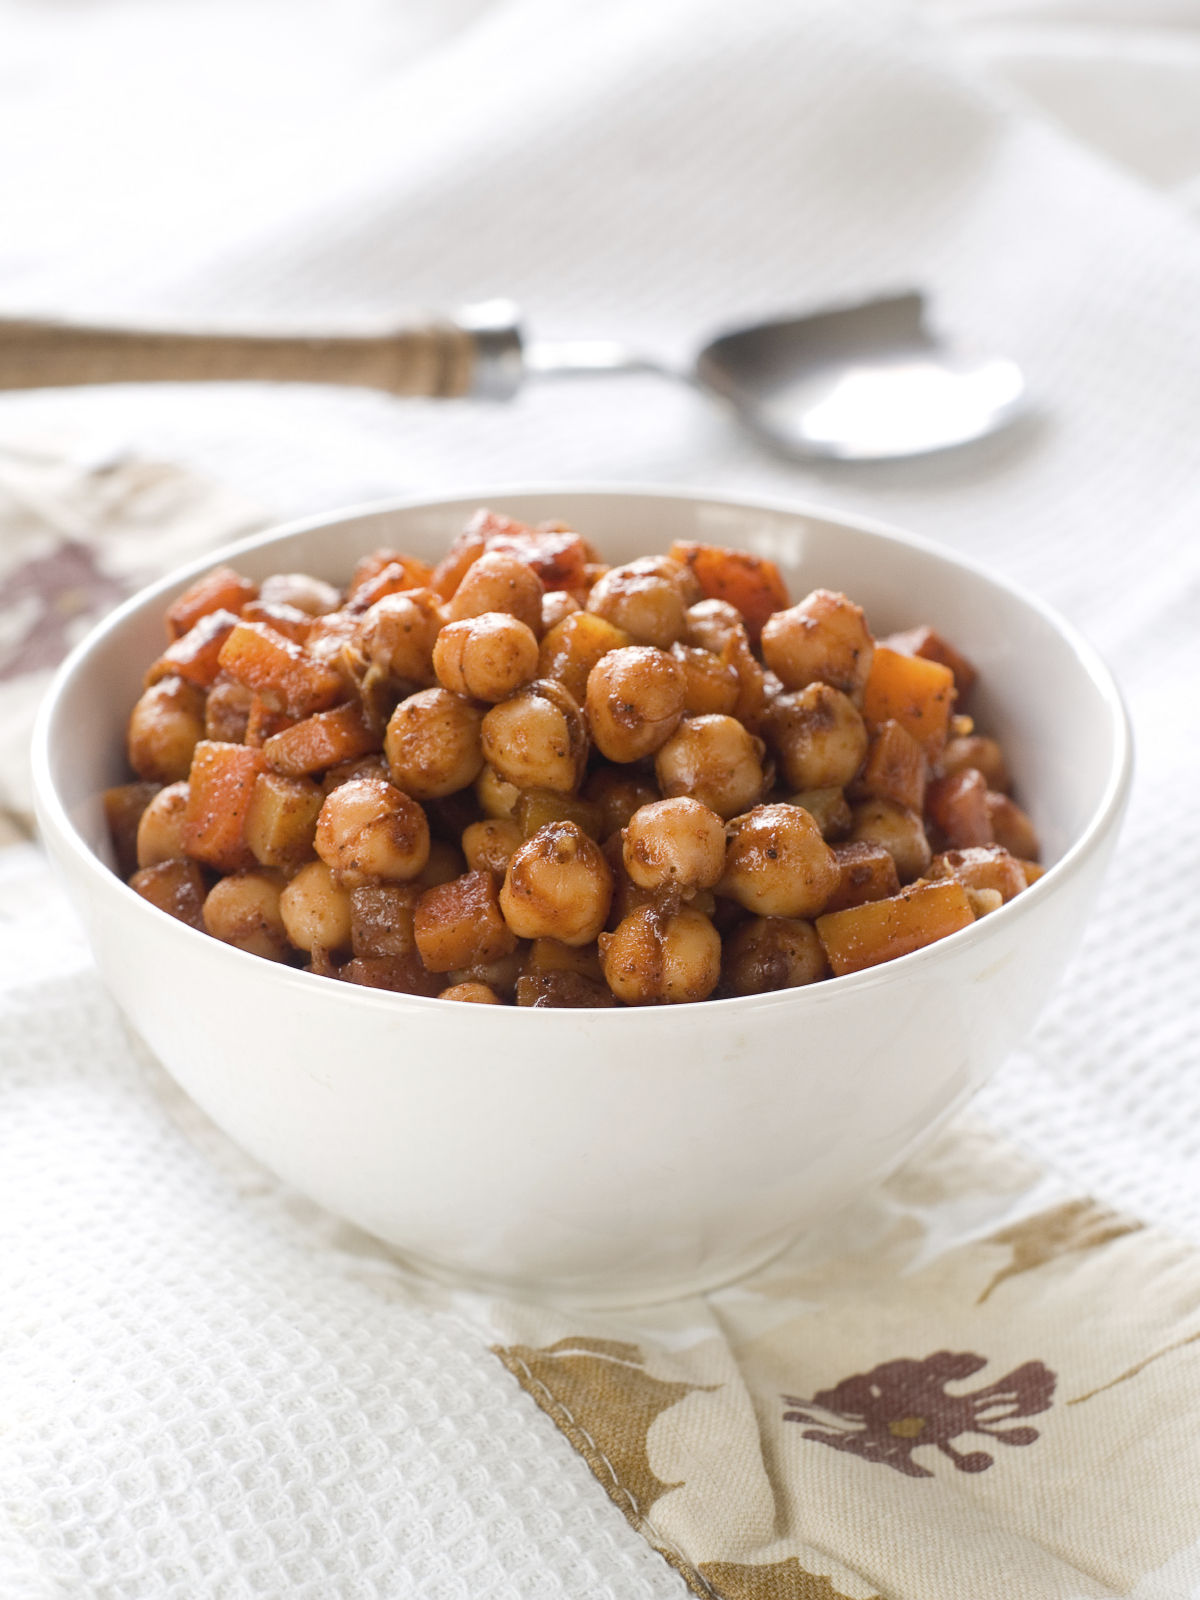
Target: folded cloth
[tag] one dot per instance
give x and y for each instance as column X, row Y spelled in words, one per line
column 214, row 1388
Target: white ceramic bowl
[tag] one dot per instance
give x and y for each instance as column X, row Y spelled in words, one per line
column 606, row 1157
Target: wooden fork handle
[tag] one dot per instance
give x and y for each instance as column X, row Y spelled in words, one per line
column 442, row 359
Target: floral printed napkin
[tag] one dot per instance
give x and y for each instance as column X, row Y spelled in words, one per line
column 972, row 1383
column 82, row 527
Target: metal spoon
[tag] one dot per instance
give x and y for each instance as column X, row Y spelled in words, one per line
column 863, row 383
column 869, row 382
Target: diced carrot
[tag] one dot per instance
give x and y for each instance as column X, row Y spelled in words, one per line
column 321, row 742
column 457, row 562
column 880, row 931
column 751, row 583
column 221, row 785
column 928, row 644
column 273, row 665
column 557, row 554
column 369, row 568
column 403, row 573
column 868, row 872
column 1033, row 870
column 195, row 655
column 293, row 623
column 959, row 807
column 918, row 694
column 223, row 589
column 896, row 768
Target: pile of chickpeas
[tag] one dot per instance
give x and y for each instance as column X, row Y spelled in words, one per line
column 523, row 777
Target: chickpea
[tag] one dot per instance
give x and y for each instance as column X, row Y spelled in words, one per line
column 298, row 589
column 557, row 604
column 486, row 657
column 655, row 960
column 713, row 760
column 712, row 682
column 777, row 864
column 675, row 844
column 824, row 639
column 500, row 975
column 398, row 633
column 710, row 624
column 499, row 582
column 160, row 830
column 769, row 953
column 635, row 699
column 536, row 739
column 369, row 830
column 899, row 830
column 619, row 792
column 165, row 727
column 489, row 845
column 432, row 744
column 558, row 886
column 244, row 911
column 477, row 994
column 316, row 909
column 819, row 737
column 645, row 598
column 495, row 794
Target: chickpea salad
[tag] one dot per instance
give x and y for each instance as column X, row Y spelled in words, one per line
column 524, row 777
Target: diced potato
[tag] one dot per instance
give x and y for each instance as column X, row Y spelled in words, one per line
column 123, row 808
column 562, row 990
column 400, row 974
column 164, row 728
column 551, row 955
column 916, row 693
column 321, row 741
column 227, row 711
column 223, row 589
column 1012, row 828
column 459, row 924
column 381, row 919
column 881, row 930
column 273, row 665
column 175, row 887
column 221, row 786
column 959, row 807
column 896, row 768
column 282, row 820
column 899, row 830
column 536, row 807
column 984, row 867
column 976, row 750
column 930, row 646
column 572, row 648
column 750, row 583
column 195, row 655
column 868, row 872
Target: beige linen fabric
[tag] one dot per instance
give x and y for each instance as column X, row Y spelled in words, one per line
column 973, row 1382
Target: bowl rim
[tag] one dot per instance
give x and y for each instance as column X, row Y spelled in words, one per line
column 53, row 816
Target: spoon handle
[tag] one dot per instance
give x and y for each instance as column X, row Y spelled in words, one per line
column 479, row 353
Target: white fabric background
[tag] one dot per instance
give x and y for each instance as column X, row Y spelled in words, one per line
column 182, row 1346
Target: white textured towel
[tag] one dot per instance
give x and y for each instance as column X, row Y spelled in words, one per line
column 208, row 1390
